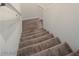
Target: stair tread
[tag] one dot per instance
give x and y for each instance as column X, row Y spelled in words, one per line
column 60, row 49
column 34, row 32
column 36, row 40
column 34, row 36
column 39, row 46
column 37, row 30
column 34, row 24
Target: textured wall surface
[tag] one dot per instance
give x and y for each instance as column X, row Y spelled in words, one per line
column 63, row 21
column 10, row 29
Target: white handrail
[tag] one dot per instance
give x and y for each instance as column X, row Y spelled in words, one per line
column 10, row 6
column 13, row 8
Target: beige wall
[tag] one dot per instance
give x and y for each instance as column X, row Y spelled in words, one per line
column 9, row 31
column 62, row 20
column 30, row 10
column 10, row 34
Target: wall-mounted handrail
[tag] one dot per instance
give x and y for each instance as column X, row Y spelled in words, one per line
column 11, row 7
column 2, row 4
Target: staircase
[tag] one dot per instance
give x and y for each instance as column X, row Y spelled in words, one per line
column 36, row 41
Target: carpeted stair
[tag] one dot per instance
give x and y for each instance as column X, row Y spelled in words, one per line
column 36, row 41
